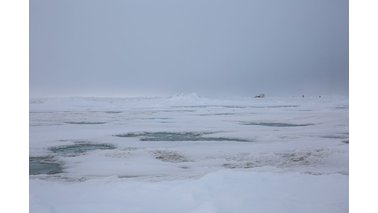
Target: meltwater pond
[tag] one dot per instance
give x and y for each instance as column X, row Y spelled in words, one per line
column 274, row 124
column 44, row 165
column 79, row 148
column 179, row 136
column 84, row 122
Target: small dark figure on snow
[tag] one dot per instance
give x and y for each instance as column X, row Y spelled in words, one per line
column 260, row 96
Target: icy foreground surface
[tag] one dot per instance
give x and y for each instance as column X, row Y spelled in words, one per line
column 189, row 154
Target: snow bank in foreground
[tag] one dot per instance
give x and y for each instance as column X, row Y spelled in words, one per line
column 223, row 191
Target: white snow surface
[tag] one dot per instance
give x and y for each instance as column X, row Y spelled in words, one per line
column 276, row 154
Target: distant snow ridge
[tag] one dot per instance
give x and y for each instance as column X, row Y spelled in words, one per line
column 187, row 98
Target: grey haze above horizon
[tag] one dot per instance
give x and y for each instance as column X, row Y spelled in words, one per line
column 147, row 47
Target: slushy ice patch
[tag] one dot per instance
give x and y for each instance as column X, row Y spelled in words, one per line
column 342, row 107
column 336, row 136
column 113, row 112
column 79, row 148
column 280, row 160
column 274, row 124
column 217, row 114
column 278, row 106
column 178, row 136
column 44, row 165
column 169, row 156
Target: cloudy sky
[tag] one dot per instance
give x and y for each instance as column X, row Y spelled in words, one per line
column 150, row 47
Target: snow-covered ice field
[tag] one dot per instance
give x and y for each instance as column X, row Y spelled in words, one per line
column 189, row 154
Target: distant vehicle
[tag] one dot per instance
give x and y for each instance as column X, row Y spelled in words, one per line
column 260, row 96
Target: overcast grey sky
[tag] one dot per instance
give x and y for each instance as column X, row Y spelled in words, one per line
column 150, row 47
